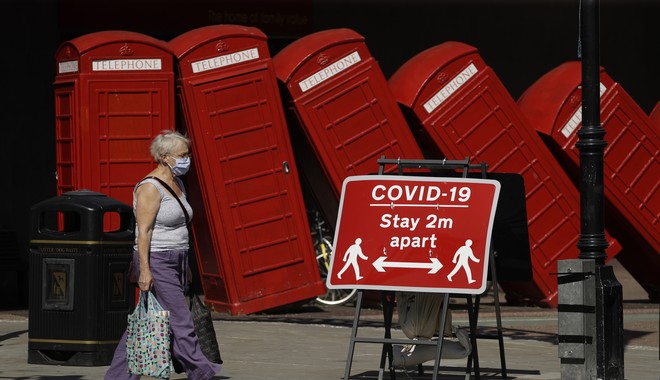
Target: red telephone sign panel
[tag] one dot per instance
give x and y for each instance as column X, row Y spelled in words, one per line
column 414, row 233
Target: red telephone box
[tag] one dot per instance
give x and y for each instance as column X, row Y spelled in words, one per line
column 459, row 103
column 114, row 91
column 341, row 101
column 553, row 105
column 252, row 241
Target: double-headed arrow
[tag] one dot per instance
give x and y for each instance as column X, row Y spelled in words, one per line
column 435, row 265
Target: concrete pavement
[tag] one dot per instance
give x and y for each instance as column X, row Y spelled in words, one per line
column 311, row 342
column 305, row 347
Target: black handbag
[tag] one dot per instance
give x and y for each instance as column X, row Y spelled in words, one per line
column 203, row 322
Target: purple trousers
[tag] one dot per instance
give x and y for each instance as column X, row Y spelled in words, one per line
column 169, row 269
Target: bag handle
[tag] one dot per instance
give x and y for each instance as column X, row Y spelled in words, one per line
column 166, row 186
column 148, row 303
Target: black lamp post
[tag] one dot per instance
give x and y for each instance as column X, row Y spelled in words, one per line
column 592, row 242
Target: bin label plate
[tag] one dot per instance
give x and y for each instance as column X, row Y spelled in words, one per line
column 58, row 276
column 425, row 234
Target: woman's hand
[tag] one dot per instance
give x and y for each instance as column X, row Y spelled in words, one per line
column 146, row 280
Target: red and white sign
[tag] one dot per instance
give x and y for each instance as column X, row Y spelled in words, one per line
column 414, row 233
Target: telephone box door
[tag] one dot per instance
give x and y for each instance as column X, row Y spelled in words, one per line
column 256, row 223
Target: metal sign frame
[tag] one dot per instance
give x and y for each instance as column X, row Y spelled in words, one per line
column 388, row 296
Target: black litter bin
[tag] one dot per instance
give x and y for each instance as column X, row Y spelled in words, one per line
column 80, row 249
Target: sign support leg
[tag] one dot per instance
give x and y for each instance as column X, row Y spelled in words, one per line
column 386, row 353
column 498, row 316
column 473, row 358
column 473, row 317
column 441, row 333
column 351, row 347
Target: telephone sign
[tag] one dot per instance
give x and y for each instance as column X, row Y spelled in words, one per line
column 414, row 233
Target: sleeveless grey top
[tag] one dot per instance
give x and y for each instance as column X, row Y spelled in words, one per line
column 170, row 231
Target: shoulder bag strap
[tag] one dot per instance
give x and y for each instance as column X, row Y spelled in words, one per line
column 166, row 186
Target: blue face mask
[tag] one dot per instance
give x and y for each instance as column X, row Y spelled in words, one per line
column 181, row 166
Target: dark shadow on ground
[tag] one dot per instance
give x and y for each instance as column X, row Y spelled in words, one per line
column 14, row 334
column 447, row 372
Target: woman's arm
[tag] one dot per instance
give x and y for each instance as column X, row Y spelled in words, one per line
column 146, row 208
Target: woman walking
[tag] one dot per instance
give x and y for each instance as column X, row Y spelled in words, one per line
column 161, row 254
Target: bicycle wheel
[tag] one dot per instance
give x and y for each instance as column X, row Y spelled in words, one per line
column 323, row 250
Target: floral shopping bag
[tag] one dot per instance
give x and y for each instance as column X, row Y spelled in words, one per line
column 148, row 339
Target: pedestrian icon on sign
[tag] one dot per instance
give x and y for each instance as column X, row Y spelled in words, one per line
column 462, row 255
column 351, row 259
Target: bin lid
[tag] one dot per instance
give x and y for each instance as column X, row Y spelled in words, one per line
column 83, row 193
column 84, row 201
column 94, row 217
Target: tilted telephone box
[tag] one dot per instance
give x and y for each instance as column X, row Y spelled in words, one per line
column 114, row 92
column 453, row 99
column 338, row 99
column 251, row 234
column 631, row 160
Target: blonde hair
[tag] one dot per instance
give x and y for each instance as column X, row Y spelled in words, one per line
column 165, row 142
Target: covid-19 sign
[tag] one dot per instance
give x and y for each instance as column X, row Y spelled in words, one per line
column 414, row 233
